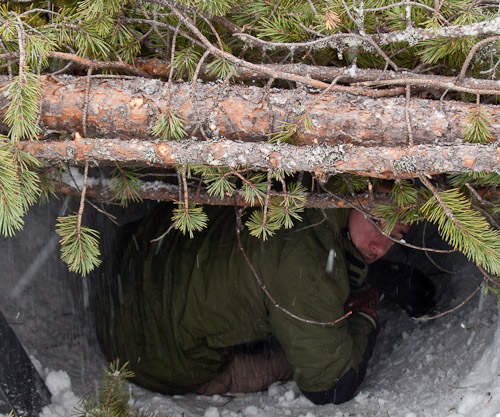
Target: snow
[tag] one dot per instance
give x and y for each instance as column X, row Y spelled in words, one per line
column 444, row 367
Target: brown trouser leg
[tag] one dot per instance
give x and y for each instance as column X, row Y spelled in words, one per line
column 250, row 373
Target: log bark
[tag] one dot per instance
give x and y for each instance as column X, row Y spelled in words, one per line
column 160, row 191
column 377, row 161
column 128, row 108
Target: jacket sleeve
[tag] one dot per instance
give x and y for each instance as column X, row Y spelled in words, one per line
column 328, row 362
column 345, row 387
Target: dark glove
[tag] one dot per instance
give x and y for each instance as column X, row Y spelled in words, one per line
column 365, row 303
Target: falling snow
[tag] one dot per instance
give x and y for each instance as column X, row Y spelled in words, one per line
column 446, row 367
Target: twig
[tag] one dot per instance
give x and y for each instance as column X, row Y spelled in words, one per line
column 483, row 202
column 231, row 58
column 408, row 3
column 119, row 65
column 163, row 234
column 266, row 291
column 196, row 72
column 487, row 276
column 171, row 74
column 82, row 201
column 111, row 217
column 310, row 226
column 179, row 190
column 185, row 187
column 312, row 7
column 407, row 114
column 163, row 25
column 215, row 103
column 86, row 103
column 269, row 104
column 427, row 318
column 472, row 53
column 21, row 40
column 429, row 256
column 62, row 70
column 425, row 82
column 266, row 200
column 212, row 28
column 278, row 3
column 320, row 43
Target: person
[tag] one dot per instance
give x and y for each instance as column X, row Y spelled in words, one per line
column 189, row 315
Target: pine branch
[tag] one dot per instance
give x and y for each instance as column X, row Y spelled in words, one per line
column 188, row 217
column 125, row 185
column 12, row 208
column 79, row 245
column 463, row 227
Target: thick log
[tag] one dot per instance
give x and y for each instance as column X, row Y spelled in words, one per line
column 377, row 161
column 128, row 108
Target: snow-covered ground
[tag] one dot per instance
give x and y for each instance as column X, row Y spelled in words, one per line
column 444, row 367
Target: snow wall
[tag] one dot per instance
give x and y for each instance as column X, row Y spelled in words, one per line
column 444, row 367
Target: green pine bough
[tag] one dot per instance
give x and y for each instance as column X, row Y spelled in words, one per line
column 19, row 187
column 477, row 127
column 79, row 245
column 465, row 229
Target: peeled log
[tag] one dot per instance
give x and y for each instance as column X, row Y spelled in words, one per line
column 128, row 108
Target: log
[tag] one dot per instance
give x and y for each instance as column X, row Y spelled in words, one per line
column 159, row 191
column 377, row 161
column 128, row 108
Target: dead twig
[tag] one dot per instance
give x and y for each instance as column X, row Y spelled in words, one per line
column 407, row 115
column 82, row 202
column 451, row 310
column 471, row 54
column 86, row 103
column 99, row 65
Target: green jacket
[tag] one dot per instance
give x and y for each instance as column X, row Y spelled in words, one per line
column 171, row 307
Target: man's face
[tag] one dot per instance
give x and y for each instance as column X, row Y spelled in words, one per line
column 369, row 241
